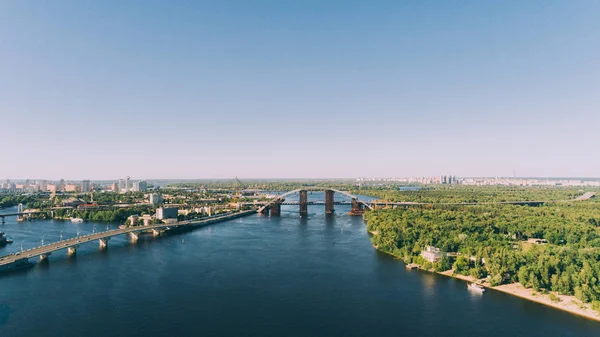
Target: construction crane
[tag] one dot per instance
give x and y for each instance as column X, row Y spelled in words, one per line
column 237, row 189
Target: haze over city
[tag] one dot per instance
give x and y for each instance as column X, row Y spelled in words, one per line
column 299, row 168
column 312, row 89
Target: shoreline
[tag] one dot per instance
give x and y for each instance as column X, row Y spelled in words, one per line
column 567, row 303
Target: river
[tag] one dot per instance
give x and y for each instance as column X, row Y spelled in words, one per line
column 254, row 276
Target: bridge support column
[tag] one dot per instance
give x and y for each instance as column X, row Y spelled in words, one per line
column 45, row 256
column 156, row 232
column 357, row 208
column 329, row 200
column 303, row 203
column 104, row 242
column 265, row 210
column 72, row 250
column 134, row 236
column 3, row 221
column 276, row 208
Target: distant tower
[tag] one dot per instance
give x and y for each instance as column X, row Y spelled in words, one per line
column 85, row 186
column 127, row 183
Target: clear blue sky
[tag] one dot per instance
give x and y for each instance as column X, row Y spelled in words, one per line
column 256, row 89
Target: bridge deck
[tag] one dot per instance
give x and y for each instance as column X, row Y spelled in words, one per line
column 52, row 247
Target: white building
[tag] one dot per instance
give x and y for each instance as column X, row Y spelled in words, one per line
column 432, row 254
column 140, row 186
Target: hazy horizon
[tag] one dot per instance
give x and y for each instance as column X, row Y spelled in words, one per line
column 298, row 89
column 279, row 179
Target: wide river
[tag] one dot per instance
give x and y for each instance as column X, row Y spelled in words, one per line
column 255, row 276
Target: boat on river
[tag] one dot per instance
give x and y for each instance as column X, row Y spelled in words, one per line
column 76, row 220
column 3, row 240
column 475, row 287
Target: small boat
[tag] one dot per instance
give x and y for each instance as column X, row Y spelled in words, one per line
column 475, row 287
column 4, row 240
column 76, row 220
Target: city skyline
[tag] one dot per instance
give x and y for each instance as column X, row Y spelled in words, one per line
column 192, row 90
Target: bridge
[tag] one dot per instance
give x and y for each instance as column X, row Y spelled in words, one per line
column 22, row 214
column 273, row 206
column 71, row 245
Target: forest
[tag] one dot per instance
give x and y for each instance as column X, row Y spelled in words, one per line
column 491, row 241
column 471, row 194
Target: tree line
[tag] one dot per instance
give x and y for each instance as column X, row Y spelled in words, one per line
column 490, row 240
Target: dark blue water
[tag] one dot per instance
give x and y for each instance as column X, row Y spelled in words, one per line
column 255, row 276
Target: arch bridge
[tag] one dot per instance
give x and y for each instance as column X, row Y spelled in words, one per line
column 274, row 205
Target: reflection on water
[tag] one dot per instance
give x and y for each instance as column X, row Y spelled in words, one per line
column 256, row 276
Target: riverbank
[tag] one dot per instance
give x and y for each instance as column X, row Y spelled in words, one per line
column 566, row 303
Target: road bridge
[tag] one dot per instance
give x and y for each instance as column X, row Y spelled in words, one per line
column 72, row 244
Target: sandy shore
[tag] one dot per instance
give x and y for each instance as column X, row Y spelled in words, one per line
column 567, row 303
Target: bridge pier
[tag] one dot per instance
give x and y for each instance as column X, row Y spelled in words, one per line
column 329, row 200
column 265, row 210
column 156, row 232
column 72, row 250
column 276, row 208
column 303, row 203
column 3, row 221
column 357, row 208
column 104, row 242
column 134, row 236
column 44, row 257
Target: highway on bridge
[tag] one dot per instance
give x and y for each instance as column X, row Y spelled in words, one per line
column 45, row 250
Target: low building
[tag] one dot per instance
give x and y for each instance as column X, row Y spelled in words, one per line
column 432, row 254
column 537, row 241
column 163, row 213
column 72, row 202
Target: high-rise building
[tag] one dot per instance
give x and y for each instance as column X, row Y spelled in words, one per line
column 121, row 184
column 166, row 213
column 61, row 185
column 140, row 186
column 127, row 184
column 85, row 186
column 155, row 198
column 115, row 187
